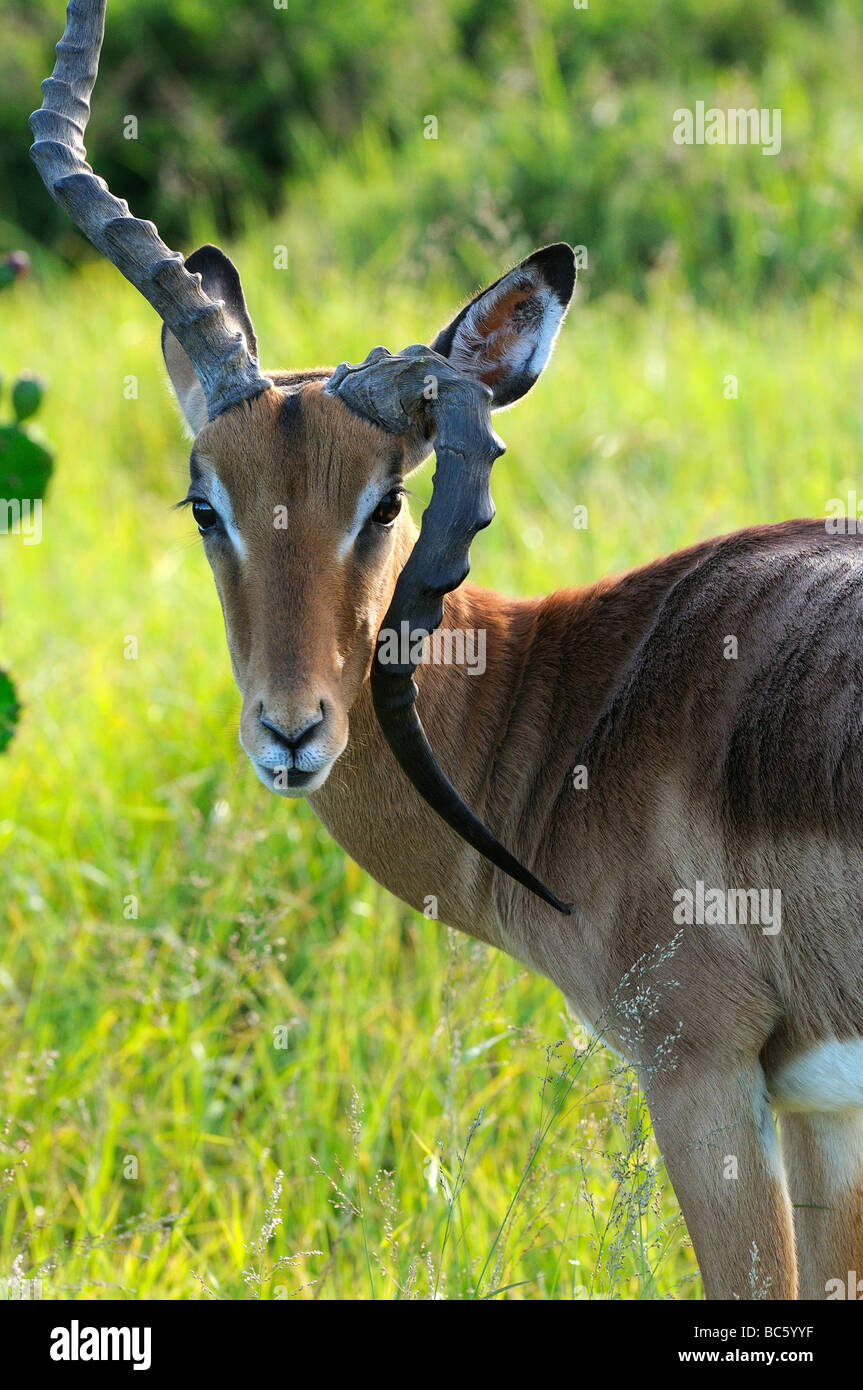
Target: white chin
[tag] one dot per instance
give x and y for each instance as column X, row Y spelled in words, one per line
column 279, row 781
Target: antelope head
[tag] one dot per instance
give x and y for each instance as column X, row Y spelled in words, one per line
column 296, row 478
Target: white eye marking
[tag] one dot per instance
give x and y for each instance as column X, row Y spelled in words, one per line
column 373, row 493
column 221, row 503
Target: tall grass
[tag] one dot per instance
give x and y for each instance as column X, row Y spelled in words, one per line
column 269, row 1010
column 552, row 121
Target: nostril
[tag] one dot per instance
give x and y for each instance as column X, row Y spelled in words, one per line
column 293, row 737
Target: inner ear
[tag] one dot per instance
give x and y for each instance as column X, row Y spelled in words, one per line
column 220, row 279
column 505, row 335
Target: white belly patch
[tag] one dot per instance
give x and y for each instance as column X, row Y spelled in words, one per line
column 828, row 1077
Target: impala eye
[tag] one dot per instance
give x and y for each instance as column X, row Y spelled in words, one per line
column 205, row 516
column 388, row 508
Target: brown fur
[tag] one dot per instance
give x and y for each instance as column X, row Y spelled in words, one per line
column 745, row 772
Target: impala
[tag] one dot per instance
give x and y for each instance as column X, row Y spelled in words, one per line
column 712, row 775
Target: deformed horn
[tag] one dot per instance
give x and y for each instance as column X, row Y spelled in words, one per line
column 393, row 391
column 220, row 354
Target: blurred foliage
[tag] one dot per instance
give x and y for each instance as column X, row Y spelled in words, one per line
column 25, row 467
column 553, row 121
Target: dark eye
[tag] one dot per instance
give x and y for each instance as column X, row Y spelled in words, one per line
column 205, row 516
column 388, row 508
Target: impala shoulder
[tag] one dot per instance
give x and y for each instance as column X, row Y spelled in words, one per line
column 766, row 579
column 712, row 621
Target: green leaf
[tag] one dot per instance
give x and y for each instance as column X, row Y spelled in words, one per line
column 27, row 396
column 9, row 710
column 25, row 465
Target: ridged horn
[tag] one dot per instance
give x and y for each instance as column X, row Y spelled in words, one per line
column 394, row 392
column 226, row 369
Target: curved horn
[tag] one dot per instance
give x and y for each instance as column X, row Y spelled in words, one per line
column 392, row 391
column 226, row 369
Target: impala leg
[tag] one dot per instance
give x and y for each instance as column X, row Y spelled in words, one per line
column 824, row 1161
column 718, row 1140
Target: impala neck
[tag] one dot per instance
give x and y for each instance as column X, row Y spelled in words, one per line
column 507, row 738
column 372, row 810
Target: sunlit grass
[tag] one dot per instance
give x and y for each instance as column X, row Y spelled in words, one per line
column 147, row 1106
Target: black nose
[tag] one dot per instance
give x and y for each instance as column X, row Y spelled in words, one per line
column 297, row 737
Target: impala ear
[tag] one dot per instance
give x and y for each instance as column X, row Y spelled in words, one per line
column 220, row 279
column 504, row 337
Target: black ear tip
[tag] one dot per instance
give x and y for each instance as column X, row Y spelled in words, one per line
column 220, row 279
column 220, row 276
column 208, row 255
column 557, row 263
column 216, row 270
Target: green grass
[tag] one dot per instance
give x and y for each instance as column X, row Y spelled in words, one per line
column 152, row 1037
